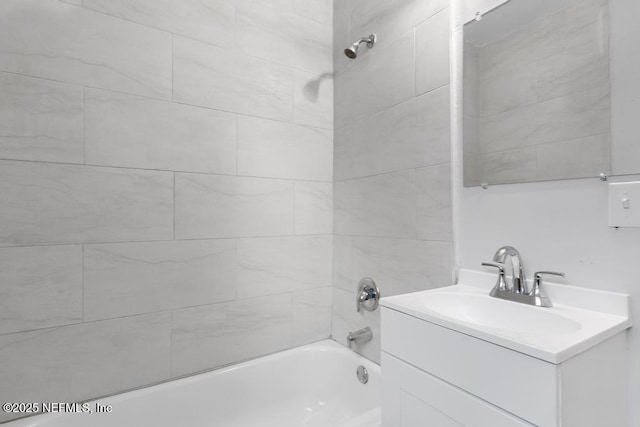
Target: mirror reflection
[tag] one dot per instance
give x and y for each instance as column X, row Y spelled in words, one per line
column 537, row 92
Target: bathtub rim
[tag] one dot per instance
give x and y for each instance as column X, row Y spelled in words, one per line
column 321, row 345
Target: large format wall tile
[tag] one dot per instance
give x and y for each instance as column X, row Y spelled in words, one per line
column 313, row 207
column 73, row 363
column 209, row 206
column 273, row 265
column 401, row 265
column 390, row 19
column 132, row 278
column 132, row 131
column 432, row 52
column 410, row 135
column 434, row 213
column 311, row 315
column 342, row 153
column 58, row 41
column 313, row 99
column 40, row 120
column 231, row 81
column 53, row 203
column 345, row 319
column 210, row 336
column 272, row 31
column 343, row 263
column 379, row 79
column 210, row 21
column 317, row 10
column 40, row 287
column 382, row 205
column 281, row 150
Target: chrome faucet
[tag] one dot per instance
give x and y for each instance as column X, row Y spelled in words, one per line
column 517, row 290
column 518, row 277
column 360, row 336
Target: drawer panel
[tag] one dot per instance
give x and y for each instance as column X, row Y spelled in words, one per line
column 520, row 384
column 412, row 398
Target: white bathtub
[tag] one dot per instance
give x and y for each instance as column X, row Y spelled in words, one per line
column 311, row 386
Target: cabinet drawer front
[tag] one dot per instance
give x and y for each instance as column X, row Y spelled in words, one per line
column 413, row 398
column 520, row 384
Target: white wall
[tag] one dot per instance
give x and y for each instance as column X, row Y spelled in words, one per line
column 562, row 225
column 165, row 177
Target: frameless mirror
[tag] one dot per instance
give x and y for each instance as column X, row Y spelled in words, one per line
column 537, row 92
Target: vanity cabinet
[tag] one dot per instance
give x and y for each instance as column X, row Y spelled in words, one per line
column 436, row 376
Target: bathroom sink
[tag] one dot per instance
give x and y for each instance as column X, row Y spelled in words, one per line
column 497, row 314
column 579, row 319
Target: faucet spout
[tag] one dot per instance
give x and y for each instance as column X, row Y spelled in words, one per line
column 518, row 276
column 360, row 336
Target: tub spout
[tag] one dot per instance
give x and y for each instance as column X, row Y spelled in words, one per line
column 361, row 336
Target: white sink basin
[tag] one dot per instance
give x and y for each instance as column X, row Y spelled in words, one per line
column 579, row 319
column 494, row 313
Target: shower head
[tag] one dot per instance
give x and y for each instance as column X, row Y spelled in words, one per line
column 352, row 51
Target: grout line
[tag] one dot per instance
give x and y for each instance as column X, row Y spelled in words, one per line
column 358, row 178
column 160, row 170
column 199, row 239
column 160, row 99
column 82, row 276
column 172, row 310
column 362, row 117
column 84, row 126
column 174, row 206
column 173, row 74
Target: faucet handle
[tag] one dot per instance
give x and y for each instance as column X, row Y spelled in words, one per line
column 537, row 292
column 500, row 284
column 537, row 276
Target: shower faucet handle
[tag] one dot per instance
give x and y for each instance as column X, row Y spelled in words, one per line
column 368, row 295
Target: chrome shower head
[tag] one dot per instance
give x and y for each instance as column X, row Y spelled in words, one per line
column 352, row 51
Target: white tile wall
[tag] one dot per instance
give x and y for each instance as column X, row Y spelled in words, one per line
column 392, row 186
column 273, row 265
column 406, row 136
column 313, row 207
column 285, row 37
column 213, row 206
column 40, row 120
column 131, row 131
column 90, row 359
column 40, row 287
column 71, row 44
column 311, row 315
column 210, row 21
column 230, row 80
column 55, row 203
column 381, row 205
column 380, row 78
column 125, row 279
column 432, row 52
column 165, row 171
column 313, row 99
column 215, row 335
column 274, row 149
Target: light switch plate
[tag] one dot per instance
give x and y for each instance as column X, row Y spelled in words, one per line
column 624, row 204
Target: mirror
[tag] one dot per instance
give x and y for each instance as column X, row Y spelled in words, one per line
column 537, row 93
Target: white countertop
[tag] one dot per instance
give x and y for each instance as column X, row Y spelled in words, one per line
column 600, row 315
